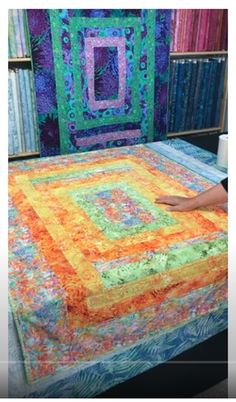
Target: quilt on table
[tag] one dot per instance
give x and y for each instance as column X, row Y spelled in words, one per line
column 96, row 266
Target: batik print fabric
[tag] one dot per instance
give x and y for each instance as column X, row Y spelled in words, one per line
column 97, row 268
column 100, row 76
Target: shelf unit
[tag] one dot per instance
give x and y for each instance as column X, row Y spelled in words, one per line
column 17, row 62
column 23, row 155
column 211, row 130
column 22, row 62
column 202, row 54
column 199, row 54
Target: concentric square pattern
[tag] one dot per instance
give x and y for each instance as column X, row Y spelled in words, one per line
column 105, row 77
column 101, row 77
column 100, row 217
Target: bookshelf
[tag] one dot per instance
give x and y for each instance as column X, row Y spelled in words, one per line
column 20, row 60
column 182, row 41
column 223, row 110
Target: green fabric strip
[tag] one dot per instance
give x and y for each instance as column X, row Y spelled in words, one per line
column 118, row 167
column 151, row 20
column 60, row 86
column 163, row 262
column 134, row 271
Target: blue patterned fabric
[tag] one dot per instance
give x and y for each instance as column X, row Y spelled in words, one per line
column 192, row 150
column 191, row 162
column 100, row 376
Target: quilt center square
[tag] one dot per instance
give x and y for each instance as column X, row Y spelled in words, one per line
column 119, row 210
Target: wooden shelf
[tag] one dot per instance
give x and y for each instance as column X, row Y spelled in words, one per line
column 23, row 155
column 204, row 130
column 206, row 53
column 19, row 60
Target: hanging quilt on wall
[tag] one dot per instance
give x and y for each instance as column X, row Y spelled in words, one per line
column 101, row 77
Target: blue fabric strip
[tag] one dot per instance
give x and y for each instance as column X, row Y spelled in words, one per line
column 208, row 172
column 192, row 150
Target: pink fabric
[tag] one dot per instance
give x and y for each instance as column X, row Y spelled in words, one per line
column 90, row 44
column 102, row 138
column 203, row 34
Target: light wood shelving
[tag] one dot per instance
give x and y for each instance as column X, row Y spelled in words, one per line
column 198, row 54
column 190, row 132
column 23, row 155
column 19, row 60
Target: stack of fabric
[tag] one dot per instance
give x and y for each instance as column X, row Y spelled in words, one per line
column 22, row 127
column 18, row 39
column 195, row 93
column 199, row 30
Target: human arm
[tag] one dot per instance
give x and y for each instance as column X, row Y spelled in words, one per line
column 213, row 196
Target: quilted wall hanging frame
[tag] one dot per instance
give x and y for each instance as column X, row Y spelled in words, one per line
column 101, row 77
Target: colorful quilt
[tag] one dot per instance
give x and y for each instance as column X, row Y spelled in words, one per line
column 97, row 269
column 101, row 77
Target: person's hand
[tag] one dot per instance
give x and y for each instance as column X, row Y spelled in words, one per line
column 177, row 203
